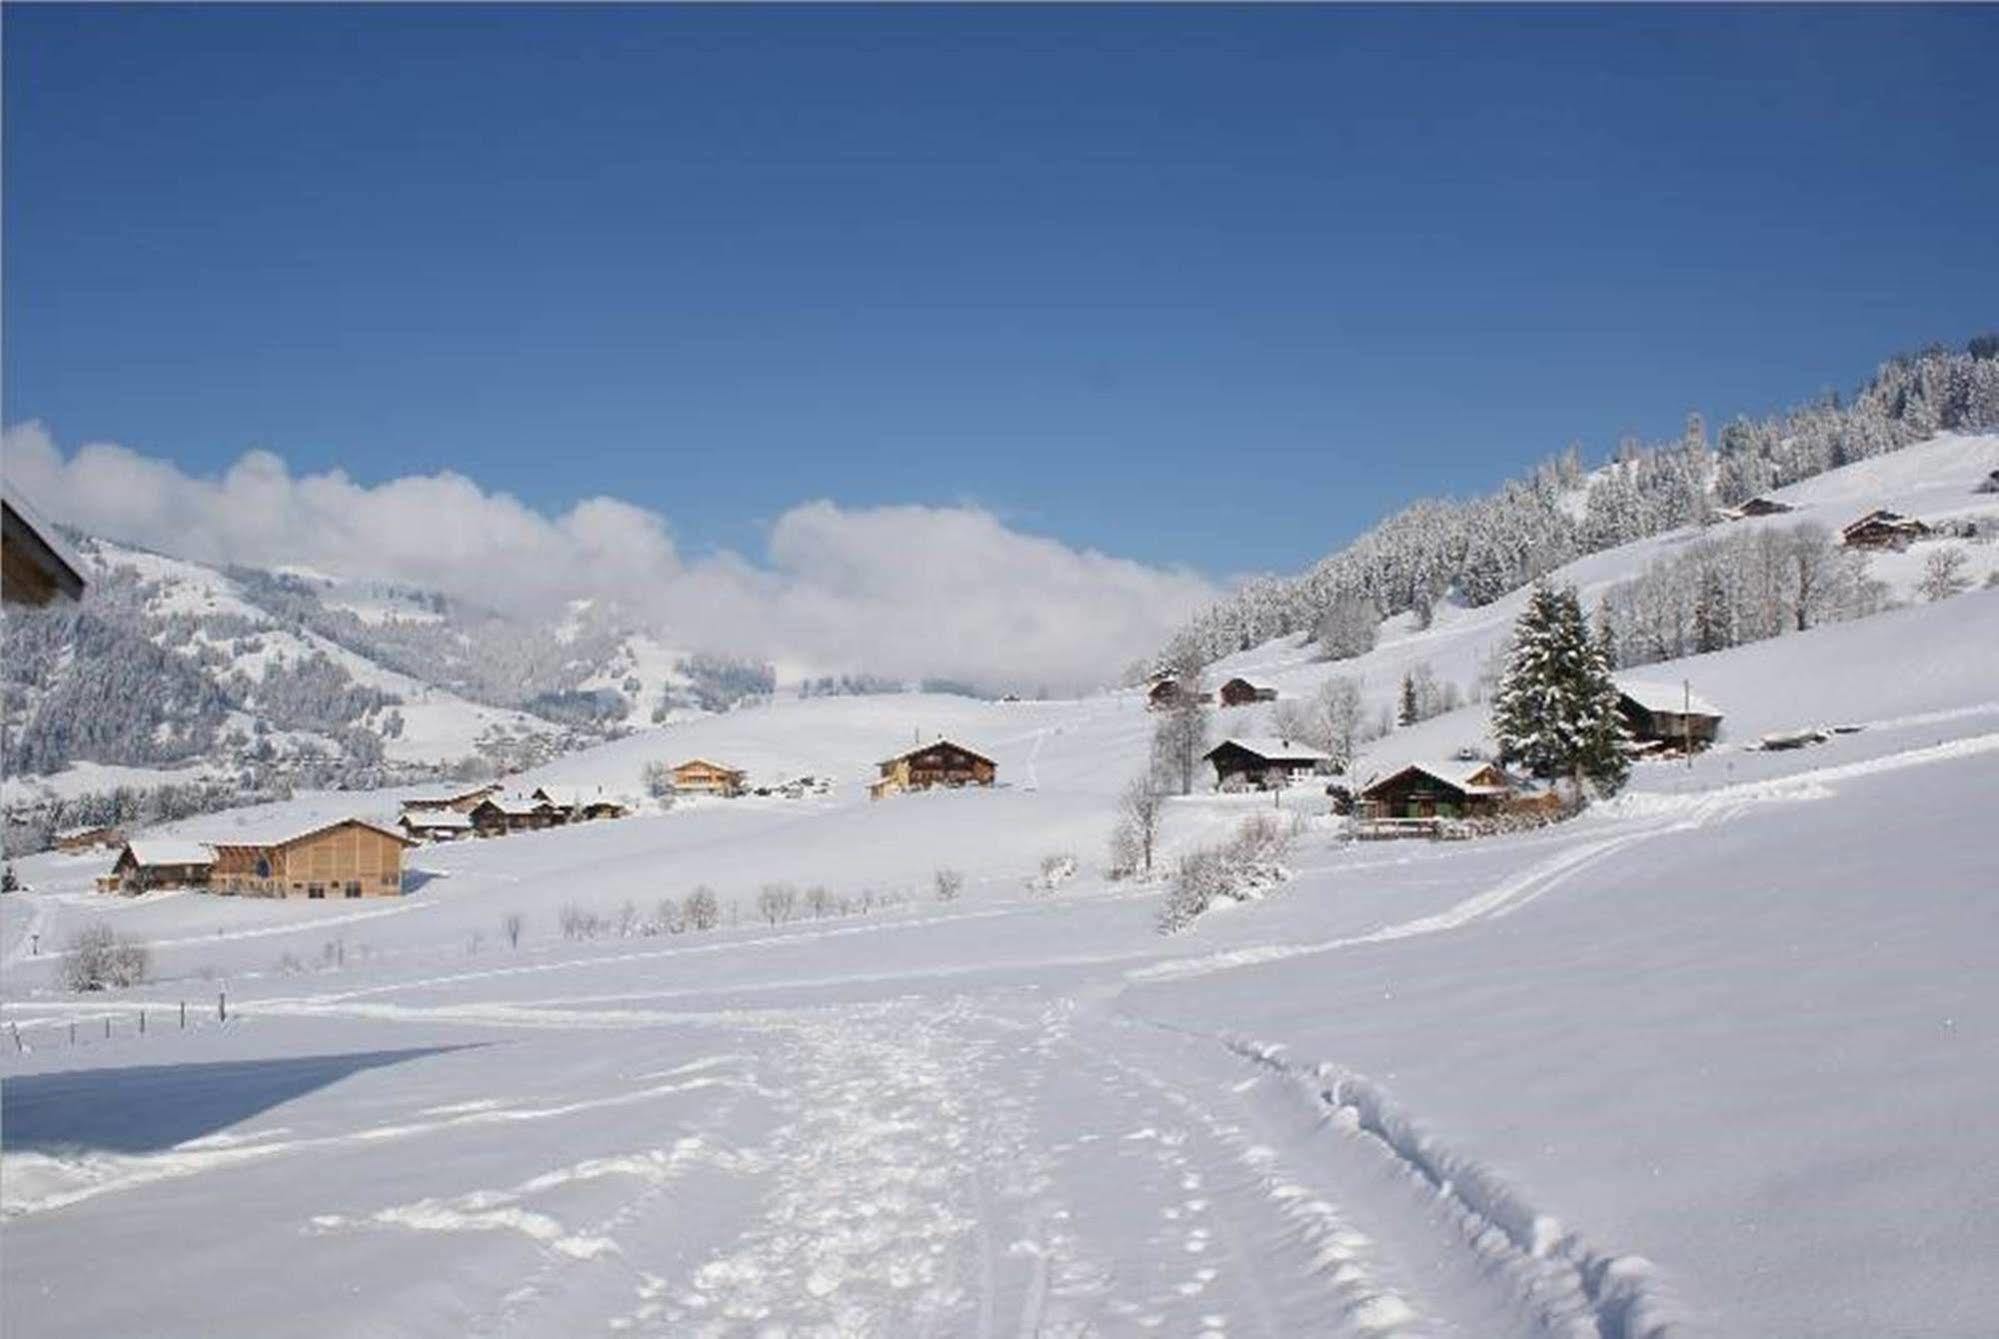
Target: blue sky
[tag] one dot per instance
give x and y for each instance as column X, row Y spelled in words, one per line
column 1213, row 286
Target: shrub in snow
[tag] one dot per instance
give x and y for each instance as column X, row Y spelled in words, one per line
column 1943, row 574
column 628, row 919
column 701, row 910
column 1056, row 870
column 949, row 883
column 577, row 923
column 1141, row 810
column 777, row 902
column 1235, row 871
column 511, row 927
column 99, row 958
column 818, row 900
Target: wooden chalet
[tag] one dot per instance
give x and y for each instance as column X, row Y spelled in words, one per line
column 1989, row 484
column 500, row 815
column 1882, row 529
column 1252, row 763
column 463, row 801
column 349, row 857
column 1424, row 790
column 36, row 567
column 159, row 862
column 1756, row 506
column 938, row 763
column 1242, row 693
column 1663, row 717
column 435, row 825
column 1168, row 693
column 579, row 806
column 100, row 838
column 698, row 776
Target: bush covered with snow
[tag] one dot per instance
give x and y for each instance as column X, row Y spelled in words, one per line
column 98, row 958
column 1236, row 871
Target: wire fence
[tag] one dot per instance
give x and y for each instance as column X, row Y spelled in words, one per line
column 122, row 1023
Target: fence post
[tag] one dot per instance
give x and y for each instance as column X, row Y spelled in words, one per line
column 183, row 1014
column 72, row 1032
column 19, row 1045
column 142, row 1022
column 107, row 1027
column 221, row 1006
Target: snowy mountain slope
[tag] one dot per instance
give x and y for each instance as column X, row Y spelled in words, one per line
column 1698, row 1062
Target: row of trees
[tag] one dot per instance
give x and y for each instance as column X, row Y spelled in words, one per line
column 1478, row 550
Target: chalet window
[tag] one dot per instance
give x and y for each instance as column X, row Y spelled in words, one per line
column 263, row 868
column 353, row 888
column 315, row 890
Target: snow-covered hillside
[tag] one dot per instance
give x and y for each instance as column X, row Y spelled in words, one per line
column 1704, row 1061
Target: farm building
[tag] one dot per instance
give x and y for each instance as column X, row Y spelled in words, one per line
column 498, row 815
column 1168, row 693
column 698, row 776
column 1989, row 484
column 938, row 763
column 462, row 801
column 1756, row 506
column 1666, row 716
column 1453, row 789
column 347, row 858
column 1241, row 693
column 159, row 862
column 36, row 567
column 1261, row 764
column 435, row 825
column 579, row 806
column 101, row 837
column 1883, row 530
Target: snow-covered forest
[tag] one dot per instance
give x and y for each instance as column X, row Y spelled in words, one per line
column 1475, row 551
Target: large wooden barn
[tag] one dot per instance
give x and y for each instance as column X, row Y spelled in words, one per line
column 159, row 862
column 1474, row 789
column 698, row 776
column 938, row 763
column 1665, row 716
column 1262, row 764
column 347, row 858
column 1243, row 693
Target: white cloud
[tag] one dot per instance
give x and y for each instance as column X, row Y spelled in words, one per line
column 906, row 590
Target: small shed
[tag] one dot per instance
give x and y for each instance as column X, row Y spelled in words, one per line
column 938, row 763
column 98, row 838
column 1242, row 693
column 1883, row 529
column 1262, row 763
column 1454, row 789
column 699, row 776
column 1663, row 716
column 159, row 862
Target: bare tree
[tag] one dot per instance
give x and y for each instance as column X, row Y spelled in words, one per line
column 1943, row 574
column 1141, row 811
column 777, row 902
column 1348, row 628
column 949, row 883
column 702, row 910
column 511, row 925
column 97, row 957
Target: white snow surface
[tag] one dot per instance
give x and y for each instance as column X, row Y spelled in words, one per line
column 1712, row 1059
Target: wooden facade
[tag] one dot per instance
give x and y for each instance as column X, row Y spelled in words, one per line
column 940, row 763
column 350, row 858
column 698, row 776
column 1242, row 693
column 1438, row 790
column 1883, row 530
column 497, row 817
column 102, row 837
column 1262, row 764
column 462, row 801
column 148, row 865
column 578, row 807
column 1665, row 717
column 1168, row 693
column 36, row 567
column 435, row 825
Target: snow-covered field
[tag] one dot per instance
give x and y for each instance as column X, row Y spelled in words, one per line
column 1716, row 1058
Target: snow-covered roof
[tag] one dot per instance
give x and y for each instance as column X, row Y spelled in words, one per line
column 170, row 851
column 1270, row 748
column 939, row 742
column 449, row 818
column 1666, row 697
column 711, row 766
column 1455, row 772
column 284, row 833
column 69, row 834
column 448, row 798
column 517, row 804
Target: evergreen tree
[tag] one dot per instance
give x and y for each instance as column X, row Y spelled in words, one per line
column 1556, row 709
column 1408, row 714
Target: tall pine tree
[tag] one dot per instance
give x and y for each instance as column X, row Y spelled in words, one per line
column 1555, row 712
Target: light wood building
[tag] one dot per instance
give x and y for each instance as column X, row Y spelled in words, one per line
column 698, row 776
column 348, row 858
column 939, row 763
